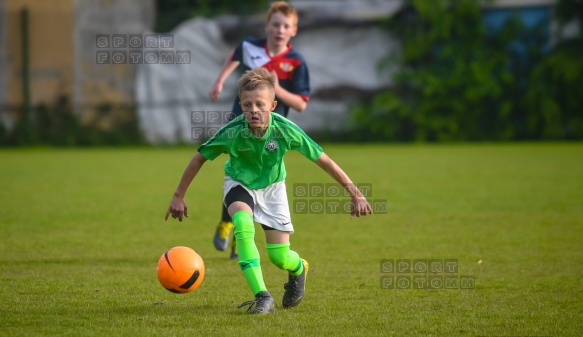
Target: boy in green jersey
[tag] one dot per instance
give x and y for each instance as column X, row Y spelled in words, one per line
column 276, row 54
column 254, row 188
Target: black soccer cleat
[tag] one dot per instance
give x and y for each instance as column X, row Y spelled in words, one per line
column 263, row 304
column 295, row 288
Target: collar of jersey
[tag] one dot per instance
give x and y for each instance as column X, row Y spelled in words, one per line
column 289, row 47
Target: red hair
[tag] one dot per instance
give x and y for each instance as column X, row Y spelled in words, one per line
column 284, row 8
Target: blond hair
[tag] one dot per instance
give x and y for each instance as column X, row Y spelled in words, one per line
column 284, row 8
column 258, row 78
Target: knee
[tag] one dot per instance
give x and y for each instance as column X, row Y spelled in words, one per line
column 278, row 254
column 276, row 259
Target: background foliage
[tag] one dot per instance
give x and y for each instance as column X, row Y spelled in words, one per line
column 457, row 80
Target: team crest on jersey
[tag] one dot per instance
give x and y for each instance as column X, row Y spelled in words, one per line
column 287, row 67
column 271, row 145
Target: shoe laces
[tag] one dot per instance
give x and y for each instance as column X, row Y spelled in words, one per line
column 292, row 285
column 252, row 303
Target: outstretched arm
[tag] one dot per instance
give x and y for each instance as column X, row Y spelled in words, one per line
column 359, row 205
column 227, row 69
column 177, row 205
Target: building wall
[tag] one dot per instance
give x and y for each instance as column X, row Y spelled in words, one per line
column 62, row 46
column 3, row 57
column 96, row 83
column 50, row 50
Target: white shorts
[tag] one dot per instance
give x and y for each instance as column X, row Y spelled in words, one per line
column 271, row 206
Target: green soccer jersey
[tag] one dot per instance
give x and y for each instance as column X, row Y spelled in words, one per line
column 258, row 162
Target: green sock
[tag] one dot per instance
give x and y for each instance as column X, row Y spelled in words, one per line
column 285, row 258
column 248, row 254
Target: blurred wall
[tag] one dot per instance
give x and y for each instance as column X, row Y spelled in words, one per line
column 342, row 60
column 62, row 50
column 3, row 56
column 342, row 48
column 96, row 83
column 50, row 50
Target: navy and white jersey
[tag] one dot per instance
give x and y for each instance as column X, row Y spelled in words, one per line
column 290, row 67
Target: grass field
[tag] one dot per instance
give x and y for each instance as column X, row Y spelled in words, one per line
column 81, row 232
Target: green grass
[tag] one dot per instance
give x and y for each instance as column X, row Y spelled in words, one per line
column 81, row 232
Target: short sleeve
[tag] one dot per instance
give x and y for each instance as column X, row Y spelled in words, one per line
column 212, row 151
column 302, row 143
column 237, row 54
column 213, row 147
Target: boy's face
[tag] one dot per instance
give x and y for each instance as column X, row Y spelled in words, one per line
column 280, row 29
column 257, row 106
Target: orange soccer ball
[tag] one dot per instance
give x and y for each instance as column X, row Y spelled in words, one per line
column 180, row 270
